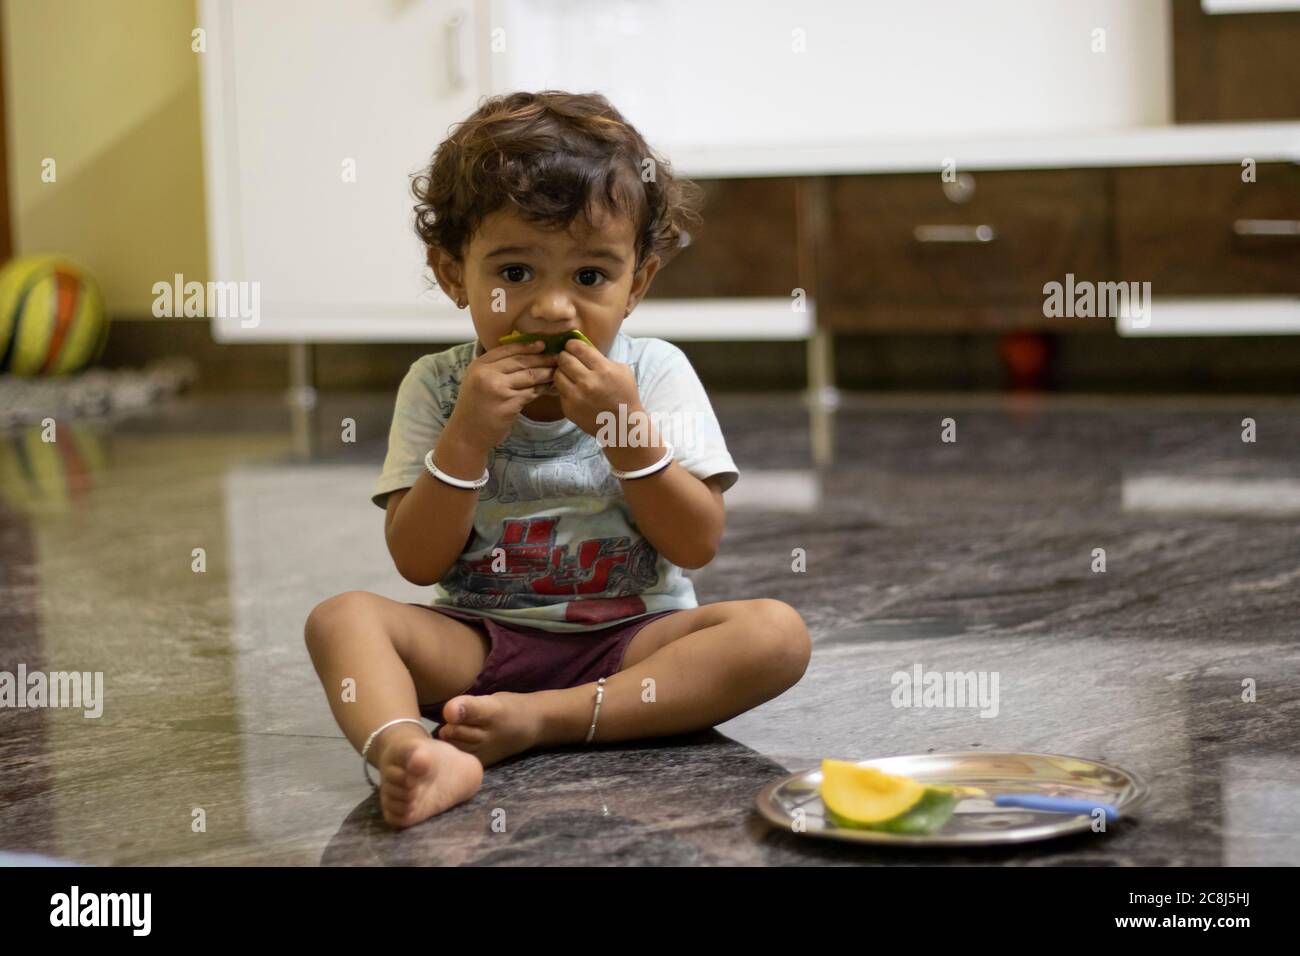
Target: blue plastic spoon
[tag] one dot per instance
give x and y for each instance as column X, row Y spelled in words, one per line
column 1036, row 801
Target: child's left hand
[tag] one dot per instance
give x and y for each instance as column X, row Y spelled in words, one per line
column 590, row 383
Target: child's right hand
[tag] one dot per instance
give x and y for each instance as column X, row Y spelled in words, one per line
column 496, row 387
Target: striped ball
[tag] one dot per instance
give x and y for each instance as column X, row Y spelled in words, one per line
column 52, row 318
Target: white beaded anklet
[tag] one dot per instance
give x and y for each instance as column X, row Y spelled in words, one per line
column 600, row 697
column 365, row 764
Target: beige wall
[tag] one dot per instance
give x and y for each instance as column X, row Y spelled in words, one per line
column 110, row 90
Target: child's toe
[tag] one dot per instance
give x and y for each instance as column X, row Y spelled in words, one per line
column 463, row 733
column 419, row 763
column 394, row 775
column 394, row 800
column 455, row 710
column 478, row 711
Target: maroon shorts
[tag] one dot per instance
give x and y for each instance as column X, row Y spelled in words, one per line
column 526, row 659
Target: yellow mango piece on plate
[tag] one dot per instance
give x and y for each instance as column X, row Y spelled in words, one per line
column 865, row 794
column 869, row 799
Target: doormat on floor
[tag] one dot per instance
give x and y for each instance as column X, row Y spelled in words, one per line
column 96, row 393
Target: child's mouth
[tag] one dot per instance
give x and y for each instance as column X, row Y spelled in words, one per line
column 554, row 343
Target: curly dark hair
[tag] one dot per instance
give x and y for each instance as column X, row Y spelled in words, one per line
column 552, row 155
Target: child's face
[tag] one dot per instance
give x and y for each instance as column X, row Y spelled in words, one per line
column 519, row 275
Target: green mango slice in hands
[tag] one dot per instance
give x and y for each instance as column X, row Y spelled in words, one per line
column 554, row 343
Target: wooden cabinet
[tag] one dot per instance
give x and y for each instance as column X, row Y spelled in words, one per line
column 898, row 254
column 900, row 242
column 1200, row 230
column 1235, row 66
column 744, row 248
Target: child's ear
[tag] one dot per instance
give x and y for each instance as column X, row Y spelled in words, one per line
column 446, row 268
column 642, row 278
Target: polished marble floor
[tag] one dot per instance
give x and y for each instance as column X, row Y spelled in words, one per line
column 215, row 744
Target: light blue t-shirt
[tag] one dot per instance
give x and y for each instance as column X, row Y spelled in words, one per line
column 573, row 557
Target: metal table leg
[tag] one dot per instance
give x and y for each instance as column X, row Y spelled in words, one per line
column 301, row 397
column 822, row 397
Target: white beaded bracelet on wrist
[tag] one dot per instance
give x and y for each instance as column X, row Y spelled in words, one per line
column 661, row 464
column 455, row 482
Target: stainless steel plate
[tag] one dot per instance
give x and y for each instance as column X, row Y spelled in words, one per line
column 976, row 821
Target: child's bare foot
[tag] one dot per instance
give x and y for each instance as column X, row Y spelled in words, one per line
column 492, row 727
column 420, row 776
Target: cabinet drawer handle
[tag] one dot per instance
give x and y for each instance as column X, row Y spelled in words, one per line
column 453, row 29
column 954, row 233
column 1267, row 227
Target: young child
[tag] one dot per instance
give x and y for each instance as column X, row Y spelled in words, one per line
column 554, row 536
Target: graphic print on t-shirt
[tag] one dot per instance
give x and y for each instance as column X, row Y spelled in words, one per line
column 532, row 472
column 526, row 568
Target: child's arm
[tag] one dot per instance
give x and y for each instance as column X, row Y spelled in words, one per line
column 679, row 514
column 428, row 525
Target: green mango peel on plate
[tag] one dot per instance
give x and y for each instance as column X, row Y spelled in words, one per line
column 554, row 343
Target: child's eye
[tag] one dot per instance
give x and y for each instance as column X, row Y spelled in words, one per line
column 591, row 278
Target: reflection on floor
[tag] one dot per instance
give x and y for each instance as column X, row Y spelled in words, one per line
column 215, row 744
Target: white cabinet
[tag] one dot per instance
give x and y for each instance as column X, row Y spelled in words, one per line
column 317, row 113
column 730, row 76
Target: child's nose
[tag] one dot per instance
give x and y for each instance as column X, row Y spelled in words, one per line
column 554, row 307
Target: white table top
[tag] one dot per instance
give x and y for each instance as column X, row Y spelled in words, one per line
column 1199, row 143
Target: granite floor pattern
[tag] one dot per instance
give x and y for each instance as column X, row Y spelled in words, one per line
column 977, row 554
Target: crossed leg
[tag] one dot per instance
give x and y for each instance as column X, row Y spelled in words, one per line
column 683, row 672
column 378, row 660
